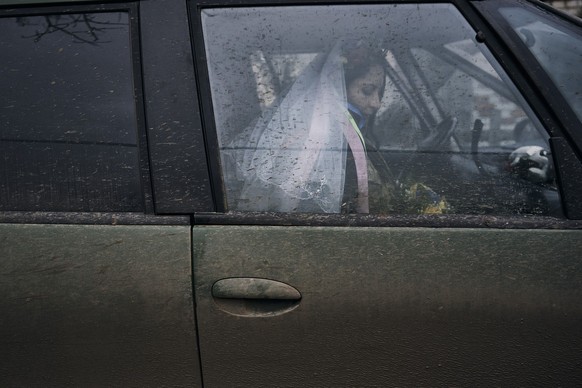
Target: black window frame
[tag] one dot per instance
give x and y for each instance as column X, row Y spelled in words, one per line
column 177, row 144
column 501, row 52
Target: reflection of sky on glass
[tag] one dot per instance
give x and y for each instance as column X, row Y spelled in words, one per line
column 57, row 87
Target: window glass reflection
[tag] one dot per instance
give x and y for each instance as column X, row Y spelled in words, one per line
column 354, row 109
column 68, row 114
column 558, row 50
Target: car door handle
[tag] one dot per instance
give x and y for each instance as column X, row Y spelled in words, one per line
column 254, row 288
column 254, row 297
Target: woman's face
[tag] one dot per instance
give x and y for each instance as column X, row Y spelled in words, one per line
column 366, row 91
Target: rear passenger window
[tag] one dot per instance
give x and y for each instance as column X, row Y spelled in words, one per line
column 355, row 109
column 68, row 124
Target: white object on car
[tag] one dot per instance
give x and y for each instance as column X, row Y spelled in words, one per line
column 531, row 163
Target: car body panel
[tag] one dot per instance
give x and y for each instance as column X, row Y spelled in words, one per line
column 96, row 305
column 393, row 306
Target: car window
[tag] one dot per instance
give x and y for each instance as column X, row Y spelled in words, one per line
column 557, row 48
column 344, row 109
column 68, row 126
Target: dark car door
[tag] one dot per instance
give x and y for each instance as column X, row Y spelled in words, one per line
column 95, row 282
column 484, row 294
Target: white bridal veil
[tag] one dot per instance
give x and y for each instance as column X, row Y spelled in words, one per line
column 293, row 158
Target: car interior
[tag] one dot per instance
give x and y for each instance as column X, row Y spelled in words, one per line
column 450, row 116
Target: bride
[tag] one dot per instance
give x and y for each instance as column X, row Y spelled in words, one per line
column 311, row 151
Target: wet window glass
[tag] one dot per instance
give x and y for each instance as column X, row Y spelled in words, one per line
column 355, row 109
column 68, row 114
column 557, row 48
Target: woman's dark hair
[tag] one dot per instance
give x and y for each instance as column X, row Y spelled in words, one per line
column 359, row 60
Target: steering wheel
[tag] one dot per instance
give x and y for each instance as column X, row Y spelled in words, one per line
column 440, row 134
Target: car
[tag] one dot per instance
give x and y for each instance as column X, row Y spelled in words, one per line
column 156, row 228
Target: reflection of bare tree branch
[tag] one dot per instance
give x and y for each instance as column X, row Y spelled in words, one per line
column 83, row 28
